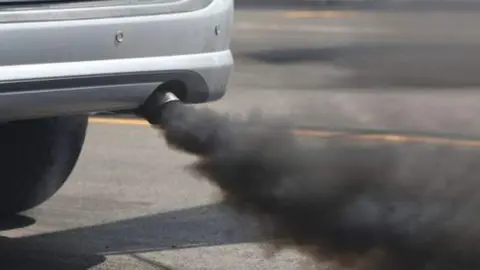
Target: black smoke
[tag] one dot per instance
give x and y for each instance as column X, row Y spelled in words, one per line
column 351, row 204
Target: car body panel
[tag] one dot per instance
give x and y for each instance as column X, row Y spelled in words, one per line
column 39, row 10
column 81, row 65
column 65, row 88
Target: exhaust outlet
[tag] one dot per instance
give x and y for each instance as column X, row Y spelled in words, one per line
column 155, row 107
column 184, row 127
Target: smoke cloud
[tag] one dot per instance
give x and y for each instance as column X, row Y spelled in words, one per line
column 349, row 204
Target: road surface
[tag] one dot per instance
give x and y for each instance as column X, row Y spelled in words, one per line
column 131, row 205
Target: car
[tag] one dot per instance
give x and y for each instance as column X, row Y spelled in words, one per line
column 63, row 60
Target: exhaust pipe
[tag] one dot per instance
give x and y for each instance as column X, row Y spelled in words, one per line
column 184, row 127
column 156, row 106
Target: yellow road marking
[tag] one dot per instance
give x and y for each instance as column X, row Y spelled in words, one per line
column 316, row 14
column 321, row 133
column 118, row 121
column 417, row 139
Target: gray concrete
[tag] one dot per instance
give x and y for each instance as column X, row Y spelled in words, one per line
column 130, row 204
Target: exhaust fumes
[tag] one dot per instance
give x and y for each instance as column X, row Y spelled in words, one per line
column 348, row 204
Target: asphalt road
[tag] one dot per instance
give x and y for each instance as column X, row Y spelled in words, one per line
column 390, row 5
column 131, row 205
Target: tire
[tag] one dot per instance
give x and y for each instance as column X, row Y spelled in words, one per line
column 36, row 158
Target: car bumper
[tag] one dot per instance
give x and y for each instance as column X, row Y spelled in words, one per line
column 75, row 66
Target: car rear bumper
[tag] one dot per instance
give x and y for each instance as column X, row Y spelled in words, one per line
column 81, row 65
column 31, row 91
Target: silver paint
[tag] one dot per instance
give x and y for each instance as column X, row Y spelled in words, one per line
column 71, row 48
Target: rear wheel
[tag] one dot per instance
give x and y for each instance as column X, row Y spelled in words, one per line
column 36, row 158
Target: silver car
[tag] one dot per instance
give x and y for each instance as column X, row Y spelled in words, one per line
column 61, row 60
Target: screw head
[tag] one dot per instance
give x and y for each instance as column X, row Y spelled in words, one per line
column 119, row 37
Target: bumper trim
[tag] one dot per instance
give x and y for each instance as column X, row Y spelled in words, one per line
column 52, row 84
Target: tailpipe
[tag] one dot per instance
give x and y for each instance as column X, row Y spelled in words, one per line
column 183, row 127
column 158, row 107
